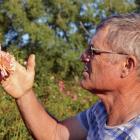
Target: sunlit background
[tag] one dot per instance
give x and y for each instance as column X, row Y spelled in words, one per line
column 56, row 31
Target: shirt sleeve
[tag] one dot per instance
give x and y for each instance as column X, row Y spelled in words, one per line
column 82, row 118
column 91, row 117
column 86, row 116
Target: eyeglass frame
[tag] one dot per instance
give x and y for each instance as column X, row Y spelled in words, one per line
column 96, row 51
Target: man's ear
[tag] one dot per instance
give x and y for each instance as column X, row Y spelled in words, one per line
column 128, row 66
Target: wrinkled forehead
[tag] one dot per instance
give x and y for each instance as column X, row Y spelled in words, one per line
column 99, row 40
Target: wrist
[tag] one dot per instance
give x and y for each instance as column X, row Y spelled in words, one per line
column 24, row 94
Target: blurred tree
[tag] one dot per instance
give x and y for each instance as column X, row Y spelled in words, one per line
column 119, row 6
column 56, row 30
column 137, row 6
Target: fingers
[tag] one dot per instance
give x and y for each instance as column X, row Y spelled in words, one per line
column 31, row 63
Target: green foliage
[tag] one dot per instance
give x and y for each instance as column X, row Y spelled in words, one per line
column 11, row 125
column 137, row 6
column 59, row 31
column 120, row 6
column 60, row 104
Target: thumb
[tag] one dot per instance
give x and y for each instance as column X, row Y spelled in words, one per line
column 31, row 63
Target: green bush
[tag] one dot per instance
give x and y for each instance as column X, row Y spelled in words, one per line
column 59, row 104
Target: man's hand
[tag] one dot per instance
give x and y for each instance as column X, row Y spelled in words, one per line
column 21, row 81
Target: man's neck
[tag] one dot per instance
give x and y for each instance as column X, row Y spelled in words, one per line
column 121, row 113
column 121, row 107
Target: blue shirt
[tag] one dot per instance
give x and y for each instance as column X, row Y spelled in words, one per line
column 94, row 121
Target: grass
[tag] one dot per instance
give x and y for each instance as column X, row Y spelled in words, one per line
column 61, row 104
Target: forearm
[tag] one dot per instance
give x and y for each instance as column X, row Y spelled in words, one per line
column 18, row 84
column 36, row 118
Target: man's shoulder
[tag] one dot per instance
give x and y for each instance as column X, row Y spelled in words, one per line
column 96, row 114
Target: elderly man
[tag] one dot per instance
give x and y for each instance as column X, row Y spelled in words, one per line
column 112, row 72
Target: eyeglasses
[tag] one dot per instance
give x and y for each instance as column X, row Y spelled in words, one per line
column 95, row 51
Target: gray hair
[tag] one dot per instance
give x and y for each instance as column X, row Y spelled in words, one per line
column 123, row 33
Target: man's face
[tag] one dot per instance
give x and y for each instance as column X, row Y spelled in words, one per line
column 100, row 74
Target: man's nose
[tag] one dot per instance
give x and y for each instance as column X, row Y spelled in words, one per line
column 85, row 57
